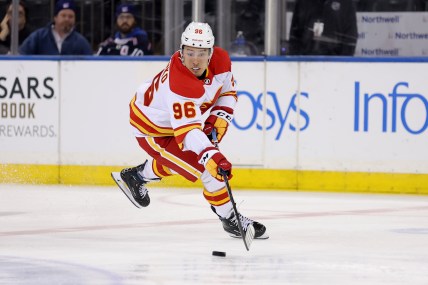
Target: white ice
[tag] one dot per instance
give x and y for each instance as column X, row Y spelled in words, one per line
column 94, row 235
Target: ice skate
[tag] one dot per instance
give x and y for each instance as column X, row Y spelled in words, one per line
column 136, row 185
column 230, row 225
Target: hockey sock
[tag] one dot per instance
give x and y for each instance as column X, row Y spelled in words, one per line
column 148, row 173
column 224, row 210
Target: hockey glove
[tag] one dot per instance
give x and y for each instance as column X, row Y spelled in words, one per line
column 213, row 161
column 219, row 119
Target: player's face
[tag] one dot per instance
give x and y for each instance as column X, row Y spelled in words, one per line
column 196, row 59
column 125, row 22
column 65, row 21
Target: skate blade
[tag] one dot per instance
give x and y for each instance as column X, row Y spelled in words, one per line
column 263, row 236
column 116, row 177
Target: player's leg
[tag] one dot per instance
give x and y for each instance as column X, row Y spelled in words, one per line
column 169, row 158
column 216, row 194
column 166, row 159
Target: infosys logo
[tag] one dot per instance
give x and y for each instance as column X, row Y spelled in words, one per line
column 399, row 110
column 278, row 113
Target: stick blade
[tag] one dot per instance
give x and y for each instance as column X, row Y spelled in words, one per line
column 122, row 185
column 249, row 236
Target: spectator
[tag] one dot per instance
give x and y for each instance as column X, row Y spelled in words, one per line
column 323, row 27
column 129, row 39
column 59, row 37
column 6, row 23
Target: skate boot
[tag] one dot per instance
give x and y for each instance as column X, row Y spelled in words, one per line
column 136, row 184
column 230, row 225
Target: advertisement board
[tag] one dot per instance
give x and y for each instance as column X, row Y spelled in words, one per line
column 365, row 117
column 29, row 112
column 95, row 122
column 392, row 34
column 295, row 123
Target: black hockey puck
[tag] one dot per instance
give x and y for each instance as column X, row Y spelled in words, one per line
column 219, row 253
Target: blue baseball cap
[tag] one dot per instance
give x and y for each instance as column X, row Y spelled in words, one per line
column 65, row 4
column 125, row 8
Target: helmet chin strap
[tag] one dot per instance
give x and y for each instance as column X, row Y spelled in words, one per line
column 181, row 55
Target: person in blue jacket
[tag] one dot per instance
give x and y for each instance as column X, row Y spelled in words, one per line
column 129, row 40
column 58, row 37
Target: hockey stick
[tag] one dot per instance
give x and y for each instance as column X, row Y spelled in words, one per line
column 248, row 235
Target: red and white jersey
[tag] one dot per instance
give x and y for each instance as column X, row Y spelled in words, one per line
column 172, row 103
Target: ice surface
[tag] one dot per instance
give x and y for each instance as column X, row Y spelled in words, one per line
column 94, row 235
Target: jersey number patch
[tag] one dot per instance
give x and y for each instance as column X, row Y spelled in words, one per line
column 148, row 95
column 184, row 110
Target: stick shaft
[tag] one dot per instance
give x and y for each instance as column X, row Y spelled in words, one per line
column 229, row 192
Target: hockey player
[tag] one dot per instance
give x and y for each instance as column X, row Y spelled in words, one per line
column 166, row 113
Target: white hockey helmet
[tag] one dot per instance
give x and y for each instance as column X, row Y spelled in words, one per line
column 198, row 35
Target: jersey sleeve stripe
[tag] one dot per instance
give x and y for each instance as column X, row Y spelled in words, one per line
column 229, row 93
column 144, row 125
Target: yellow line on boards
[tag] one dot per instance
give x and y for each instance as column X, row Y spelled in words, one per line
column 272, row 179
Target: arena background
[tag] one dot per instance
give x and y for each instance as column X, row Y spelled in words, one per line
column 307, row 123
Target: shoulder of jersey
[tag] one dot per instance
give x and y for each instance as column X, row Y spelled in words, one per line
column 220, row 61
column 182, row 81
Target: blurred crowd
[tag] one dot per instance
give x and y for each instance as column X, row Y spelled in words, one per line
column 134, row 28
column 60, row 37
